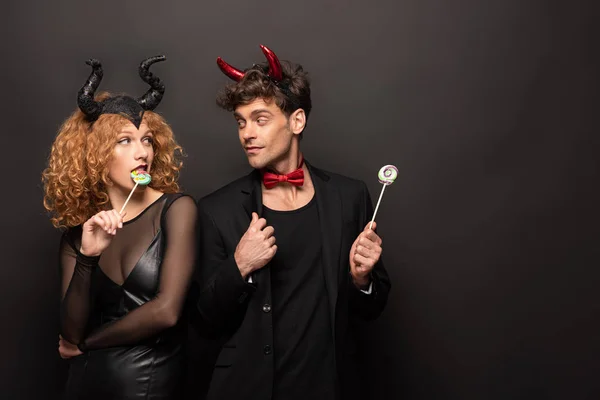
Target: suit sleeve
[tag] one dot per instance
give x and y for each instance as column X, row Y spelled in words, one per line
column 221, row 294
column 369, row 306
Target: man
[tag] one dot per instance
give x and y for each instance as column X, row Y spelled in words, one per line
column 287, row 259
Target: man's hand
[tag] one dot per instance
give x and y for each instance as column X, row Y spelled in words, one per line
column 364, row 254
column 256, row 248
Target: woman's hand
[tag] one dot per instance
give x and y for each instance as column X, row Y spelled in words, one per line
column 98, row 232
column 67, row 349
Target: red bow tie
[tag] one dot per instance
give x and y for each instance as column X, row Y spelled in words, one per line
column 296, row 177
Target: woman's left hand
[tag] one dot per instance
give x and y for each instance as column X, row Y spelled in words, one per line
column 67, row 349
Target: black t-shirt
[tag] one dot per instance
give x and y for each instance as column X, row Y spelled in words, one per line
column 303, row 340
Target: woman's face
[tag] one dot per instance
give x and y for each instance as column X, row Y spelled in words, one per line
column 133, row 151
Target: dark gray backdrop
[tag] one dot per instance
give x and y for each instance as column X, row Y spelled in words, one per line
column 489, row 109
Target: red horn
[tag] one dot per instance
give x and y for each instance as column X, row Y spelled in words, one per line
column 230, row 71
column 274, row 65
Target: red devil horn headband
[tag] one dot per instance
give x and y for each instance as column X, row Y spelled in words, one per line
column 237, row 75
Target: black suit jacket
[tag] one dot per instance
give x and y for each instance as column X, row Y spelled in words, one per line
column 237, row 313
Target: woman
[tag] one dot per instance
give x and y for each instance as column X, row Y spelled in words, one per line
column 124, row 276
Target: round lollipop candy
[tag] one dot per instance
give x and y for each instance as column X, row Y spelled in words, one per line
column 143, row 178
column 387, row 175
column 140, row 178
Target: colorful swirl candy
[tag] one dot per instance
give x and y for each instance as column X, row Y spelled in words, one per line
column 387, row 174
column 141, row 178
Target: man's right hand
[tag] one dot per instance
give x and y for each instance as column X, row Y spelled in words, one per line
column 256, row 248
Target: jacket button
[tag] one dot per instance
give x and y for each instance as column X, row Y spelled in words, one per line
column 242, row 297
column 267, row 349
column 267, row 308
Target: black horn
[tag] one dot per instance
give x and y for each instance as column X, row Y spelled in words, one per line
column 153, row 96
column 85, row 98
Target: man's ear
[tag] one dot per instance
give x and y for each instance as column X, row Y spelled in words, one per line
column 297, row 121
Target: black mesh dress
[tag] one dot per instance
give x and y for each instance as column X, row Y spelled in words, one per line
column 121, row 308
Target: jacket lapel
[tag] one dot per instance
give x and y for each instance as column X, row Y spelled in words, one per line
column 253, row 201
column 329, row 205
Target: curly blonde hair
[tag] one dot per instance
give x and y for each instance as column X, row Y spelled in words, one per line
column 76, row 178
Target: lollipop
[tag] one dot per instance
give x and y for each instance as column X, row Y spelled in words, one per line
column 387, row 175
column 143, row 178
column 140, row 178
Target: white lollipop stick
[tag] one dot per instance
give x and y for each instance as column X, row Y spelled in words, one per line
column 387, row 174
column 377, row 206
column 128, row 197
column 142, row 178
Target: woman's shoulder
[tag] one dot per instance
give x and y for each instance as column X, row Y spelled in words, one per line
column 171, row 198
column 179, row 201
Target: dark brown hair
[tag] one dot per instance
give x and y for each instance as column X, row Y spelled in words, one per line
column 290, row 94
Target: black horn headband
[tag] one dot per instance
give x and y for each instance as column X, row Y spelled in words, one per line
column 127, row 106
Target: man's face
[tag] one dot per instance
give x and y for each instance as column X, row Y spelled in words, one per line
column 264, row 132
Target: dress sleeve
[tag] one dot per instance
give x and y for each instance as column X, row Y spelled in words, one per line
column 76, row 273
